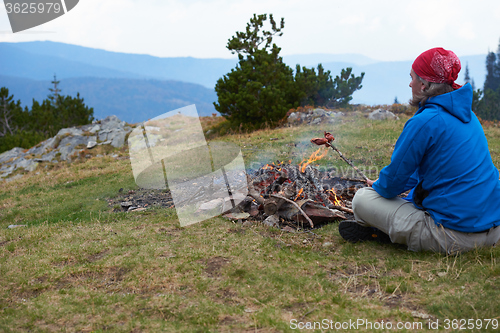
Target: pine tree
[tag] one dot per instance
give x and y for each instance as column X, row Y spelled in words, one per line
column 9, row 113
column 313, row 89
column 467, row 75
column 344, row 86
column 55, row 91
column 488, row 106
column 492, row 80
column 261, row 88
column 25, row 128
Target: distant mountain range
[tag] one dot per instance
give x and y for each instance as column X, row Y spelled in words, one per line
column 131, row 100
column 138, row 87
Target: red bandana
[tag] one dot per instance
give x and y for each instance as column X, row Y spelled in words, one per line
column 438, row 65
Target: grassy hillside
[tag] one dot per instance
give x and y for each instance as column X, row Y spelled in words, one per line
column 79, row 266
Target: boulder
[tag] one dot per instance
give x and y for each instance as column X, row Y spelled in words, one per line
column 64, row 145
column 293, row 117
column 112, row 122
column 381, row 114
column 27, row 164
column 71, row 131
column 14, row 152
column 318, row 113
column 67, row 145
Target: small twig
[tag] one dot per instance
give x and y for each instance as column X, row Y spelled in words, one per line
column 307, row 313
column 344, row 209
column 348, row 162
column 351, row 179
column 310, row 232
column 295, row 204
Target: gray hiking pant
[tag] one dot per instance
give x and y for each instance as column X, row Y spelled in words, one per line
column 405, row 224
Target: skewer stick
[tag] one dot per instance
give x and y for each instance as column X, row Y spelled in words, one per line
column 347, row 161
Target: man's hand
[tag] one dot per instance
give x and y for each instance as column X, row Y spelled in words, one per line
column 370, row 182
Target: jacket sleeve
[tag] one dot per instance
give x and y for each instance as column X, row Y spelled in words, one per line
column 411, row 147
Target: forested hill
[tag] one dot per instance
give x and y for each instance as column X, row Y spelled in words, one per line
column 27, row 68
column 132, row 100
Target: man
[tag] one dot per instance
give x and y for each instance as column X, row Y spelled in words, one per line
column 442, row 156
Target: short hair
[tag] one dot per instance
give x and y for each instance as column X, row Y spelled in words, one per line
column 431, row 89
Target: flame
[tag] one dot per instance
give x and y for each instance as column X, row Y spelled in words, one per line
column 334, row 198
column 314, row 157
column 299, row 194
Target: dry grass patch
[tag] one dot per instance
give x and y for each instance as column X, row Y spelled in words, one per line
column 78, row 266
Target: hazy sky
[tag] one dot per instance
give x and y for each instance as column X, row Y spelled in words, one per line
column 379, row 29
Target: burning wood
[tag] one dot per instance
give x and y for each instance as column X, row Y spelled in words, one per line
column 299, row 193
column 283, row 192
column 313, row 158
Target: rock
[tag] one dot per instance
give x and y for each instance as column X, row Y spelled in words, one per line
column 42, row 147
column 327, row 244
column 7, row 170
column 112, row 122
column 91, row 144
column 49, row 157
column 247, row 224
column 318, row 113
column 67, row 146
column 237, row 216
column 12, row 226
column 112, row 131
column 213, row 204
column 117, row 138
column 336, row 114
column 74, row 141
column 140, row 209
column 28, row 165
column 73, row 131
column 14, row 152
column 381, row 114
column 126, row 204
column 293, row 117
column 272, row 221
column 92, row 128
column 316, row 121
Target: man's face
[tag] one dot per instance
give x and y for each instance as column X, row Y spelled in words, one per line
column 416, row 85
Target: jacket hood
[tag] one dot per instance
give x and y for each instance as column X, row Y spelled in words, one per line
column 458, row 103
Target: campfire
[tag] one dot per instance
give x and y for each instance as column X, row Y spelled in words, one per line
column 303, row 194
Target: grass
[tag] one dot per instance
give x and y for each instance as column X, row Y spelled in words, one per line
column 79, row 267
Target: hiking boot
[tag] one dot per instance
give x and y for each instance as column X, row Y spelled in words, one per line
column 354, row 232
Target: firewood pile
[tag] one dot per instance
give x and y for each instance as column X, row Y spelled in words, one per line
column 302, row 194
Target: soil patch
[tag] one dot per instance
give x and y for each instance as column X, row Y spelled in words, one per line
column 140, row 198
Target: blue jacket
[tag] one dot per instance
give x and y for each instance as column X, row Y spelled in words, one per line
column 442, row 154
